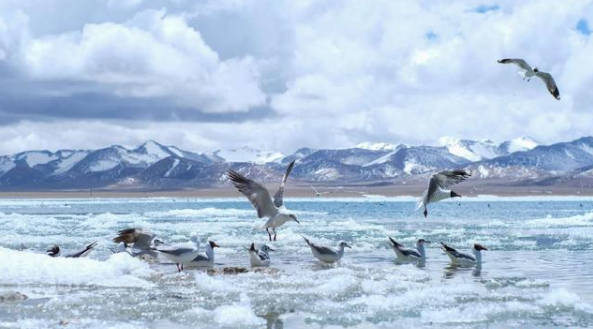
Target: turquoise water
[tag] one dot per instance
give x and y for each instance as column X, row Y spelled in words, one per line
column 536, row 274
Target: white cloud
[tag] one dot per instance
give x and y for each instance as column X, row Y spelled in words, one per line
column 151, row 55
column 334, row 73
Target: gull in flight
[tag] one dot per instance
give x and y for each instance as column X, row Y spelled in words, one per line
column 459, row 258
column 328, row 255
column 317, row 193
column 208, row 258
column 406, row 255
column 55, row 251
column 438, row 187
column 527, row 73
column 260, row 198
column 138, row 242
column 181, row 253
column 261, row 256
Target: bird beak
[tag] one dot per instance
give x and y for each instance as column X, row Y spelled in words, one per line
column 270, row 249
column 347, row 245
column 427, row 241
column 454, row 194
column 214, row 245
column 296, row 220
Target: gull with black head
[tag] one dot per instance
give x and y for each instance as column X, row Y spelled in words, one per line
column 258, row 195
column 326, row 254
column 409, row 255
column 438, row 187
column 527, row 72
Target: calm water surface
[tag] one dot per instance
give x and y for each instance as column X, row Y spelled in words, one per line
column 536, row 274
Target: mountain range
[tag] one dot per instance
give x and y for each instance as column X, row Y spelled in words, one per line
column 153, row 166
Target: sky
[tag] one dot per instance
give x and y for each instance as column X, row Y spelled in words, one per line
column 286, row 74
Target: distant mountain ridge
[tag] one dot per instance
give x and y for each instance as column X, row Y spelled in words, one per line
column 156, row 166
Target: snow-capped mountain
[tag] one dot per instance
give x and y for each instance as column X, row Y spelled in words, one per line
column 248, row 154
column 155, row 166
column 487, row 149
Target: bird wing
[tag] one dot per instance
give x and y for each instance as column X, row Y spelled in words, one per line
column 278, row 197
column 143, row 240
column 445, row 179
column 83, row 252
column 517, row 61
column 320, row 249
column 550, row 83
column 127, row 235
column 409, row 252
column 255, row 193
column 456, row 253
column 174, row 250
column 262, row 255
column 314, row 189
column 395, row 243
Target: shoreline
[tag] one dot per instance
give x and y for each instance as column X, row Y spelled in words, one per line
column 301, row 192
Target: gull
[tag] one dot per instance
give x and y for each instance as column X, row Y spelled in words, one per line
column 328, row 255
column 55, row 251
column 181, row 253
column 462, row 258
column 259, row 257
column 260, row 198
column 437, row 187
column 208, row 258
column 405, row 254
column 527, row 73
column 317, row 193
column 138, row 242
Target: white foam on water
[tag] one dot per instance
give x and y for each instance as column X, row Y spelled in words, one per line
column 585, row 219
column 120, row 270
column 237, row 315
column 200, row 213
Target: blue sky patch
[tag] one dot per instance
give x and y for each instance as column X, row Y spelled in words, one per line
column 583, row 26
column 486, row 8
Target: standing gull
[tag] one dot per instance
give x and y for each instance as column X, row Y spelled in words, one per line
column 527, row 73
column 207, row 259
column 460, row 258
column 405, row 254
column 438, row 187
column 260, row 198
column 261, row 256
column 328, row 255
column 55, row 251
column 181, row 253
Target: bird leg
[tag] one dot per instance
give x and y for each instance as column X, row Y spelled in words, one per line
column 269, row 235
column 274, row 230
column 178, row 269
column 182, row 267
column 425, row 212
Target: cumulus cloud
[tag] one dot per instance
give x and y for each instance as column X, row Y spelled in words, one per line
column 284, row 74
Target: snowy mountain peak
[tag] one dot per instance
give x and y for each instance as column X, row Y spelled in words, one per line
column 519, row 144
column 249, row 154
column 469, row 149
column 377, row 146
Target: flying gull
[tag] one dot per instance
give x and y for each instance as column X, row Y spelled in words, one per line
column 527, row 73
column 325, row 254
column 438, row 187
column 260, row 198
column 405, row 254
column 460, row 258
column 261, row 256
column 138, row 242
